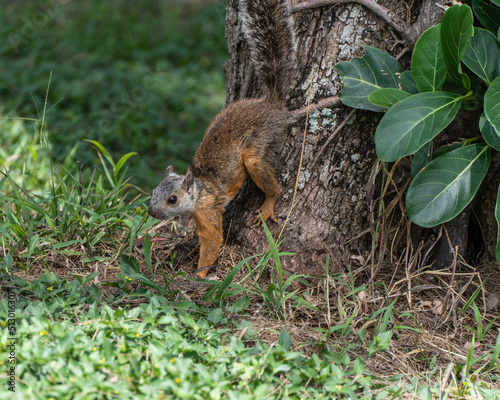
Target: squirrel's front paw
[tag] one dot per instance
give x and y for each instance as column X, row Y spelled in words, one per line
column 266, row 214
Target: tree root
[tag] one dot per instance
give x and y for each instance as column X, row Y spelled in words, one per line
column 376, row 8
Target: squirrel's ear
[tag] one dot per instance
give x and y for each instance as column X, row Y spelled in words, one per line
column 169, row 170
column 188, row 181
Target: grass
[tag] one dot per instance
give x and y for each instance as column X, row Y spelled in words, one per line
column 104, row 311
column 144, row 77
column 84, row 335
column 132, row 329
column 101, row 298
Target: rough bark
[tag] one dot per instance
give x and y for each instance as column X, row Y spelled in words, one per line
column 331, row 211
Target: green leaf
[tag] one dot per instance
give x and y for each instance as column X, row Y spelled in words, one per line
column 94, row 291
column 496, row 350
column 387, row 97
column 446, row 185
column 33, row 243
column 284, row 340
column 358, row 365
column 456, row 29
column 361, row 76
column 411, row 123
column 447, row 148
column 380, row 343
column 482, row 55
column 408, row 83
column 492, row 104
column 7, row 262
column 496, row 2
column 497, row 217
column 129, row 264
column 215, row 316
column 427, row 65
column 421, row 158
column 187, row 319
column 488, row 15
column 88, row 278
column 241, row 305
column 490, row 135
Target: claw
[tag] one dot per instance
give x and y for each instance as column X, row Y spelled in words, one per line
column 265, row 217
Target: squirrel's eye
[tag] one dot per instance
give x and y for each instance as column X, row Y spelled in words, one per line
column 172, row 199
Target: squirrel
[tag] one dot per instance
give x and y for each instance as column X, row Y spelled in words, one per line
column 239, row 142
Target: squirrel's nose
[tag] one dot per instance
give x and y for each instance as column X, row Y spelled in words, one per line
column 152, row 211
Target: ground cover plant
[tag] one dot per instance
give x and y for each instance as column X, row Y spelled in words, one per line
column 101, row 305
column 107, row 313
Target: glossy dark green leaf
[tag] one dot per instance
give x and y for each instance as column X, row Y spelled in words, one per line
column 411, row 123
column 387, row 97
column 407, row 83
column 447, row 148
column 361, row 76
column 490, row 135
column 421, row 158
column 492, row 104
column 456, row 29
column 482, row 55
column 427, row 65
column 425, row 154
column 496, row 2
column 497, row 217
column 488, row 15
column 446, row 185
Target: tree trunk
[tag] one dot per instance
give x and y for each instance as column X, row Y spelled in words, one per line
column 334, row 199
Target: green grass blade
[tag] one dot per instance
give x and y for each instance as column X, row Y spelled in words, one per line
column 496, row 352
column 497, row 217
column 122, row 161
column 228, row 280
column 275, row 254
column 102, row 150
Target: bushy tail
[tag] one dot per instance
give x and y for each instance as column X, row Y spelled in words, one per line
column 269, row 29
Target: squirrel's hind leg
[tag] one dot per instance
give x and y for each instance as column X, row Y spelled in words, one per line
column 262, row 173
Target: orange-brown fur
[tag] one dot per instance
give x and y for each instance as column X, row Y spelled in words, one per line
column 240, row 142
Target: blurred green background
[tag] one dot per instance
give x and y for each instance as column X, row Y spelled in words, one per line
column 143, row 76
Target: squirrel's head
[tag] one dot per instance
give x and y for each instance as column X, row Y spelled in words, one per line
column 173, row 196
